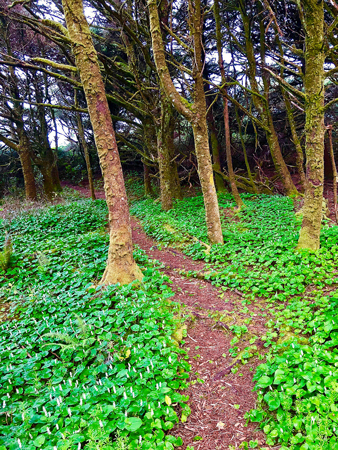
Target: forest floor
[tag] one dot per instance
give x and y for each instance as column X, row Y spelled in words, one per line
column 253, row 300
column 219, row 398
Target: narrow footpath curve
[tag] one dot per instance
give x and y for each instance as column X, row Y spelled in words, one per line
column 219, row 403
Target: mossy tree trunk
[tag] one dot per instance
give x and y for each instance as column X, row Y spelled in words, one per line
column 121, row 267
column 24, row 152
column 313, row 16
column 27, row 171
column 23, row 148
column 195, row 113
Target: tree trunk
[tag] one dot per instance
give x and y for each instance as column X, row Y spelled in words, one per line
column 56, row 177
column 121, row 267
column 205, row 170
column 27, row 168
column 195, row 113
column 314, row 124
column 47, row 179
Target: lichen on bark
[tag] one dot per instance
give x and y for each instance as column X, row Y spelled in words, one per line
column 121, row 267
column 313, row 14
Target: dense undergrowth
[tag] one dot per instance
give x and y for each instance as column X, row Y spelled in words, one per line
column 298, row 384
column 84, row 367
column 258, row 256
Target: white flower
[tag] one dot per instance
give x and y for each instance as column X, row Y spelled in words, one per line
column 19, row 442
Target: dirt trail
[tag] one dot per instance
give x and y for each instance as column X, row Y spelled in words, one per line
column 219, row 403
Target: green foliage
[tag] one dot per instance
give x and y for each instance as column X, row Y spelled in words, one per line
column 258, row 256
column 84, row 366
column 298, row 385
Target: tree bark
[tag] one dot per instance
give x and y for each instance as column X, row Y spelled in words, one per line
column 195, row 113
column 313, row 13
column 121, row 267
column 24, row 153
column 27, row 167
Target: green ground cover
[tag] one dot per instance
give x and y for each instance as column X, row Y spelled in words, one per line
column 84, row 367
column 298, row 384
column 258, row 256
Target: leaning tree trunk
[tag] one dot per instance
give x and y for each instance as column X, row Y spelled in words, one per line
column 121, row 267
column 205, row 171
column 195, row 113
column 309, row 237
